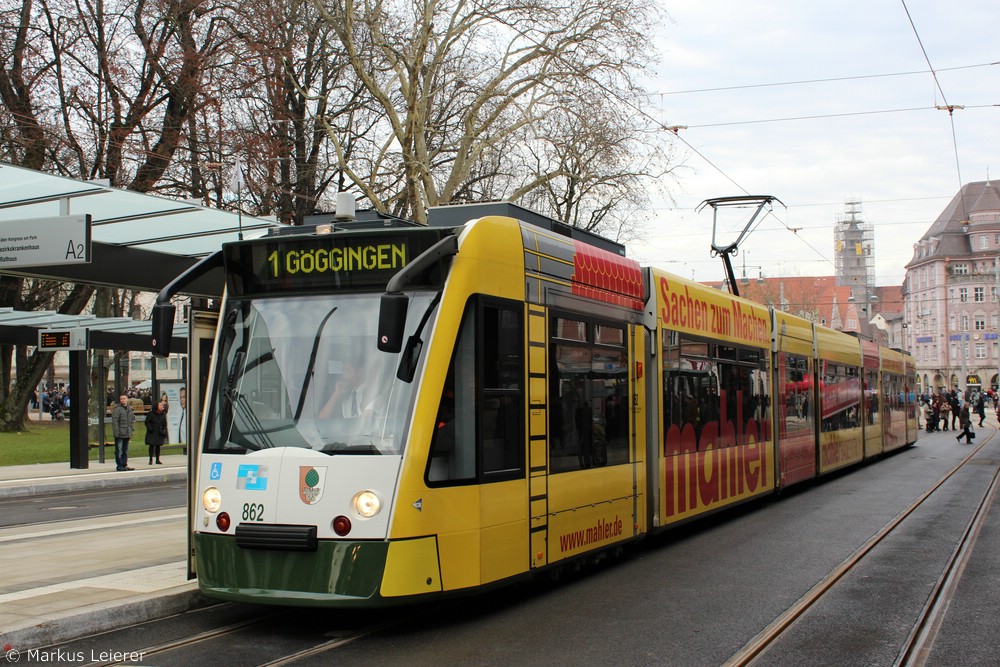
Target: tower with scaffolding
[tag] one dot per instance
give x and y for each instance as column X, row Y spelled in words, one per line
column 854, row 242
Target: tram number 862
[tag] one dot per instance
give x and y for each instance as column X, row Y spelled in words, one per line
column 253, row 512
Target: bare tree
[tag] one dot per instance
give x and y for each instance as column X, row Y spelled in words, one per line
column 294, row 78
column 93, row 90
column 460, row 81
column 606, row 160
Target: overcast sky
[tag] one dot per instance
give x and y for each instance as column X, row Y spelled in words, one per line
column 864, row 127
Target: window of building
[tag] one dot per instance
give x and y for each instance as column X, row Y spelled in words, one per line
column 960, row 269
column 136, row 364
column 984, row 242
column 979, row 294
column 963, row 294
column 980, row 350
column 965, row 322
column 980, row 324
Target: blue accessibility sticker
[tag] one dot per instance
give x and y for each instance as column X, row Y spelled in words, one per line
column 251, row 477
column 215, row 473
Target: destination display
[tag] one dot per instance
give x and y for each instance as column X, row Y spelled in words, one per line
column 345, row 260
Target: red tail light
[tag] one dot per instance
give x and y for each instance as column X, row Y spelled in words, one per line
column 342, row 525
column 223, row 521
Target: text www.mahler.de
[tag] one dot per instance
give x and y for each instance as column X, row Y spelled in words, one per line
column 602, row 530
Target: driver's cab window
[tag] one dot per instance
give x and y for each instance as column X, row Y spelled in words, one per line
column 478, row 428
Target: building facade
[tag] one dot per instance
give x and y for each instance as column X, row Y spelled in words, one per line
column 951, row 310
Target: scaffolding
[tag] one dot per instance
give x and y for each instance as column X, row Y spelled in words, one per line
column 854, row 245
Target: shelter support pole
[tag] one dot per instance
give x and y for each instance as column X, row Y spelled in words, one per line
column 79, row 456
column 102, row 396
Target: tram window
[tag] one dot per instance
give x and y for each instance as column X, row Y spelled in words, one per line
column 588, row 419
column 568, row 329
column 727, row 352
column 453, row 452
column 840, row 397
column 691, row 348
column 872, row 414
column 795, row 389
column 501, row 434
column 478, row 426
column 605, row 335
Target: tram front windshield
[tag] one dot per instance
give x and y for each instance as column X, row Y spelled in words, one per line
column 306, row 372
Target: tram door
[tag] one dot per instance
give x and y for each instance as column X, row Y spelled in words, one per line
column 503, row 504
column 593, row 406
column 202, row 325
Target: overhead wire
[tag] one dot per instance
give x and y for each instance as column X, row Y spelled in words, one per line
column 948, row 107
column 808, row 81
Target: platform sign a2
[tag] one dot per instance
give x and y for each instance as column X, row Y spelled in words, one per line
column 63, row 239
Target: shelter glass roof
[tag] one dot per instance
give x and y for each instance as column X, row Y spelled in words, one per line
column 124, row 218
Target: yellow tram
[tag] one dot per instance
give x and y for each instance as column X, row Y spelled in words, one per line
column 404, row 411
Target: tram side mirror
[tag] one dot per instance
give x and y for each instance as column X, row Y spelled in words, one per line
column 391, row 321
column 408, row 360
column 163, row 328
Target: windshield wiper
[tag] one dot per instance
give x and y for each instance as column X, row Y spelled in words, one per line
column 238, row 403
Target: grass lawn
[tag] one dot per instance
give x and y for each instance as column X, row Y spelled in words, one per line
column 48, row 442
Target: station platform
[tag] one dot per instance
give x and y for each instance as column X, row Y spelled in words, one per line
column 66, row 579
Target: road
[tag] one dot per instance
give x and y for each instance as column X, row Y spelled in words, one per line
column 693, row 597
column 36, row 510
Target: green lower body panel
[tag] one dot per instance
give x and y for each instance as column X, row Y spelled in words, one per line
column 337, row 574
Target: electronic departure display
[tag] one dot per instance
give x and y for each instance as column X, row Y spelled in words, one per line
column 364, row 260
column 50, row 340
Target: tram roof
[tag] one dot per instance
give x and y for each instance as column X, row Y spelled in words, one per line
column 139, row 241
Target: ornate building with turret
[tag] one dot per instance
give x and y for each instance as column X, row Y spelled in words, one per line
column 951, row 309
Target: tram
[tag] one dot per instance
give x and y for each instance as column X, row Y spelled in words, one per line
column 407, row 411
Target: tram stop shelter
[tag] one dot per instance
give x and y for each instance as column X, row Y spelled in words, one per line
column 64, row 229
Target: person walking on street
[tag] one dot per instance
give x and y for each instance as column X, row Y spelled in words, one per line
column 981, row 407
column 965, row 420
column 122, row 428
column 156, row 431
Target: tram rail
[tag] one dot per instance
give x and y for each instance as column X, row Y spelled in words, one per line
column 920, row 641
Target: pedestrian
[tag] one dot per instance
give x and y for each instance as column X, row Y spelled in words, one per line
column 981, row 408
column 156, row 431
column 965, row 420
column 956, row 407
column 945, row 411
column 122, row 428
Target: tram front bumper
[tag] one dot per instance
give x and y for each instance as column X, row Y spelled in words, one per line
column 337, row 574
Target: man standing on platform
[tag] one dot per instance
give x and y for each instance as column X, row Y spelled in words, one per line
column 122, row 428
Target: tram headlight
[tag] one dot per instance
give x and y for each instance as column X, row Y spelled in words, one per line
column 211, row 499
column 366, row 504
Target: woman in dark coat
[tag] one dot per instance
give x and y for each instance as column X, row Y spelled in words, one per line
column 156, row 431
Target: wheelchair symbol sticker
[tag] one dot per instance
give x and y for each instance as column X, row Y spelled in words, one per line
column 216, row 472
